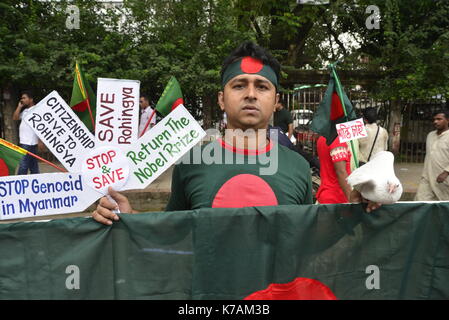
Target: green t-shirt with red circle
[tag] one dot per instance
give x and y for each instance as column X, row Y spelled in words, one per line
column 236, row 181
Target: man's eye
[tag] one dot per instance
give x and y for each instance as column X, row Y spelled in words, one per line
column 263, row 87
column 237, row 86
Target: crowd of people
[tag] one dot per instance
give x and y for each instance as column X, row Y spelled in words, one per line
column 249, row 98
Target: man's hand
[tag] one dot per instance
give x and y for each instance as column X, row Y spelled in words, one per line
column 104, row 214
column 41, row 146
column 442, row 176
column 356, row 197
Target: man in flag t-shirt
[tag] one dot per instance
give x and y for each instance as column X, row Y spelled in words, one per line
column 244, row 168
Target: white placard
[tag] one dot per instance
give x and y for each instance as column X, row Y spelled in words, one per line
column 351, row 130
column 161, row 147
column 60, row 129
column 117, row 119
column 44, row 194
column 105, row 167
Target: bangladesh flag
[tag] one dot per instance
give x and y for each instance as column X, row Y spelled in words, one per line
column 10, row 156
column 331, row 111
column 171, row 97
column 335, row 251
column 83, row 100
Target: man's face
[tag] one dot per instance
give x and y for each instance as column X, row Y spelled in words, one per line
column 440, row 122
column 249, row 101
column 26, row 101
column 143, row 103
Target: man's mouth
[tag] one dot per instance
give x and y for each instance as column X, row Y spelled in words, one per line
column 250, row 108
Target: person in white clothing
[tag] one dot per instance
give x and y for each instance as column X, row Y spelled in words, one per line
column 434, row 184
column 145, row 113
column 377, row 139
column 28, row 140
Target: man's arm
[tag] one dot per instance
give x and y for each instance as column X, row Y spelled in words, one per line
column 16, row 115
column 342, row 174
column 290, row 130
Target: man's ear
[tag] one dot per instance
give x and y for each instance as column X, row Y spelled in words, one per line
column 221, row 100
column 276, row 100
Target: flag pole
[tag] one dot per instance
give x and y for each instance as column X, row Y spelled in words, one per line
column 84, row 88
column 148, row 122
column 340, row 94
column 21, row 150
column 46, row 161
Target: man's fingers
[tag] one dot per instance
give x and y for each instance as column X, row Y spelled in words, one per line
column 372, row 206
column 101, row 219
column 106, row 203
column 106, row 213
column 116, row 195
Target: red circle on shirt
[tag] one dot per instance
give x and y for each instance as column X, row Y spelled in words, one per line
column 251, row 65
column 244, row 190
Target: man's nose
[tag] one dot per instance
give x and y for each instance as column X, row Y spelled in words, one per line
column 251, row 91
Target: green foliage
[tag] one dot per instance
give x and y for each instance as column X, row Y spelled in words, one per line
column 190, row 38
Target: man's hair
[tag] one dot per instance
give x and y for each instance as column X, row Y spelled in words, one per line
column 443, row 111
column 370, row 114
column 249, row 48
column 145, row 96
column 29, row 94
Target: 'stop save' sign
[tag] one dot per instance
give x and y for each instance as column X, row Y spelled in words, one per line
column 117, row 120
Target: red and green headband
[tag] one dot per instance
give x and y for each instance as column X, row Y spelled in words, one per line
column 249, row 65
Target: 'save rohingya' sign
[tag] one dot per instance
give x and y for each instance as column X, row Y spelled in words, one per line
column 117, row 120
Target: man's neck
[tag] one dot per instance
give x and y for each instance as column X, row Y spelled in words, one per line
column 252, row 139
column 441, row 131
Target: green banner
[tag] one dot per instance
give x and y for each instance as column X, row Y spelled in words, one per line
column 400, row 251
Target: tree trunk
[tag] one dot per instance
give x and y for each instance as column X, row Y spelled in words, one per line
column 208, row 108
column 394, row 127
column 11, row 132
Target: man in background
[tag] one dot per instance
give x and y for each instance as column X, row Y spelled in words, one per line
column 145, row 113
column 283, row 119
column 434, row 184
column 28, row 140
column 377, row 139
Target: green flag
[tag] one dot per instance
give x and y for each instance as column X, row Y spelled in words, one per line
column 83, row 100
column 331, row 111
column 171, row 97
column 10, row 156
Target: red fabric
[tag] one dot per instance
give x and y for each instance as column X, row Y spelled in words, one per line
column 4, row 171
column 336, row 107
column 251, row 65
column 244, row 190
column 177, row 103
column 80, row 107
column 298, row 289
column 330, row 190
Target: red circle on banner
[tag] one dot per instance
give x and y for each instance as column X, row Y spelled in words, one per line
column 251, row 65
